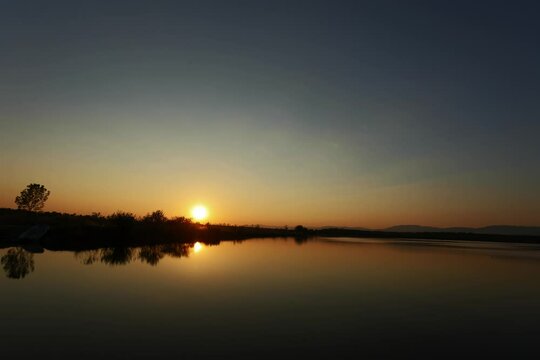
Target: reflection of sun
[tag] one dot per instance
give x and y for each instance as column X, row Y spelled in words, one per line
column 199, row 213
column 197, row 247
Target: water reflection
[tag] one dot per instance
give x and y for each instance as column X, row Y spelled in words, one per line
column 17, row 263
column 149, row 254
column 117, row 255
column 197, row 247
column 270, row 298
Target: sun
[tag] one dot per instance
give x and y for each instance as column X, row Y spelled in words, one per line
column 199, row 213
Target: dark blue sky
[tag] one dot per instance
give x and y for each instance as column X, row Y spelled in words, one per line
column 350, row 112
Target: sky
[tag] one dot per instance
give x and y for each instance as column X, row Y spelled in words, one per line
column 344, row 113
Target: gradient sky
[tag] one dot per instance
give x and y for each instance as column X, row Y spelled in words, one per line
column 275, row 112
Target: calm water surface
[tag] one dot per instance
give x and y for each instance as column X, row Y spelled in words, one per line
column 330, row 298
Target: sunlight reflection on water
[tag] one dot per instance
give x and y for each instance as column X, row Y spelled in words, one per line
column 266, row 297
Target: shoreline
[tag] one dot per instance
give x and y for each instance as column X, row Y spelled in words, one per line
column 85, row 232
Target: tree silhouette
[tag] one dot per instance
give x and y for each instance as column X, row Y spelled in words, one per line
column 32, row 198
column 123, row 220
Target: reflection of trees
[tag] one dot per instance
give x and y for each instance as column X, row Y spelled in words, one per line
column 17, row 263
column 176, row 250
column 88, row 257
column 299, row 240
column 149, row 254
column 117, row 255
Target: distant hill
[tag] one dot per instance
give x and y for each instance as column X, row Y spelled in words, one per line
column 343, row 227
column 493, row 229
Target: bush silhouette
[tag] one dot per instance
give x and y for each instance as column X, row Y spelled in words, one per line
column 123, row 220
column 157, row 217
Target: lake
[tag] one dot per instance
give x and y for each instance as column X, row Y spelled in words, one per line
column 274, row 298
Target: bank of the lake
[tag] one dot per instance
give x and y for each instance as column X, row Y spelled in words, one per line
column 79, row 232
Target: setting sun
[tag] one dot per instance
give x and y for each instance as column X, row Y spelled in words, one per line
column 199, row 213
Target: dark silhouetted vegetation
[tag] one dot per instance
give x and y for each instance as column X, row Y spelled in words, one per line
column 32, row 198
column 122, row 237
column 156, row 218
column 123, row 229
column 80, row 232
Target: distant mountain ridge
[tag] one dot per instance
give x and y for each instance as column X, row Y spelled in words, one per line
column 343, row 227
column 492, row 229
